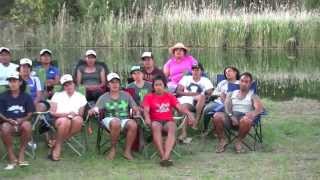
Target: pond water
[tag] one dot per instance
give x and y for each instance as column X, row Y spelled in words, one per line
column 281, row 73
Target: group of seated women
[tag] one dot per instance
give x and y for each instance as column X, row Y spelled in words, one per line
column 154, row 98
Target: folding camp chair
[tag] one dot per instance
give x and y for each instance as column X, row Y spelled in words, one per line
column 180, row 120
column 30, row 150
column 256, row 135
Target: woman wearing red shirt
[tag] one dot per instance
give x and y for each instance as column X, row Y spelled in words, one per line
column 158, row 113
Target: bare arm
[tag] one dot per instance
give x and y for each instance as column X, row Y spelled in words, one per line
column 228, row 104
column 258, row 108
column 166, row 71
column 103, row 78
column 79, row 77
column 146, row 113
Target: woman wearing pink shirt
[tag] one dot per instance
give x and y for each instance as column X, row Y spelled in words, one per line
column 179, row 64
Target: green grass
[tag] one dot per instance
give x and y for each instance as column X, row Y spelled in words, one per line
column 290, row 151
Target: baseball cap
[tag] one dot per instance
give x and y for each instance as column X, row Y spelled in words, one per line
column 4, row 49
column 45, row 51
column 13, row 75
column 113, row 76
column 135, row 68
column 91, row 52
column 25, row 61
column 146, row 54
column 66, row 78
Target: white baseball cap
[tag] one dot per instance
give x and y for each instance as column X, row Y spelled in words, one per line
column 25, row 61
column 4, row 49
column 113, row 76
column 91, row 52
column 45, row 51
column 146, row 54
column 13, row 75
column 66, row 78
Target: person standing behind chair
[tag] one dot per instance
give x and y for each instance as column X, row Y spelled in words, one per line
column 52, row 72
column 158, row 109
column 67, row 107
column 16, row 108
column 241, row 108
column 117, row 105
column 92, row 76
column 178, row 65
column 6, row 67
column 149, row 69
column 193, row 91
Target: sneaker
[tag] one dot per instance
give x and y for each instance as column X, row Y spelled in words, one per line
column 32, row 145
column 10, row 167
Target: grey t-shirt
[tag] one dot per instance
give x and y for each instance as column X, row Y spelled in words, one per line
column 116, row 107
column 139, row 93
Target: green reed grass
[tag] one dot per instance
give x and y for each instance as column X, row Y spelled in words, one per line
column 207, row 28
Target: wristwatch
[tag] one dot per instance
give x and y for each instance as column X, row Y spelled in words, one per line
column 230, row 114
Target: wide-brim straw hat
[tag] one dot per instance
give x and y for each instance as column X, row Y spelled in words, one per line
column 178, row 46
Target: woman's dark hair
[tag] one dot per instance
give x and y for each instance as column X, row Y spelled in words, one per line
column 23, row 85
column 249, row 75
column 157, row 78
column 234, row 69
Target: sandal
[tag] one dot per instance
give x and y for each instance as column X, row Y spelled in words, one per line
column 166, row 163
column 221, row 147
column 23, row 163
column 238, row 147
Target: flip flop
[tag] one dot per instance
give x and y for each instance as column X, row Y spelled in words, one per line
column 221, row 147
column 23, row 163
column 166, row 163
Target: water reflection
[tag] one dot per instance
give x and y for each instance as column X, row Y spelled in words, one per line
column 281, row 73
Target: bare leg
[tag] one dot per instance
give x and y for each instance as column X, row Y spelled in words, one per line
column 25, row 130
column 76, row 126
column 131, row 136
column 6, row 135
column 244, row 128
column 171, row 139
column 218, row 122
column 199, row 106
column 115, row 128
column 62, row 126
column 183, row 134
column 157, row 137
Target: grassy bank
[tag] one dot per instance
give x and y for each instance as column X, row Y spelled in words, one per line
column 290, row 151
column 205, row 28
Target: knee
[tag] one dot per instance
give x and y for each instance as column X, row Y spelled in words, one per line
column 78, row 120
column 25, row 126
column 245, row 121
column 218, row 117
column 115, row 124
column 171, row 127
column 132, row 125
column 5, row 128
column 62, row 123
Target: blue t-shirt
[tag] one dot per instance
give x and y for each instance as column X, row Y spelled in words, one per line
column 34, row 86
column 15, row 107
column 51, row 72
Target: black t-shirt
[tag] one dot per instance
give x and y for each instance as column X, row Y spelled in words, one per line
column 16, row 107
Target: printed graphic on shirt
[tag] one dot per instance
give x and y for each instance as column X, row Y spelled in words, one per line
column 163, row 107
column 16, row 109
column 117, row 108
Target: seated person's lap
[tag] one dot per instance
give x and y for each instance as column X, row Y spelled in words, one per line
column 107, row 121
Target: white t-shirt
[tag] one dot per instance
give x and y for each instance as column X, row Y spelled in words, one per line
column 187, row 81
column 222, row 87
column 193, row 86
column 5, row 71
column 67, row 104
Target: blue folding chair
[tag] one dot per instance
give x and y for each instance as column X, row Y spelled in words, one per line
column 256, row 135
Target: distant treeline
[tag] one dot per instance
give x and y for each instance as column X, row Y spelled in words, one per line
column 42, row 11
